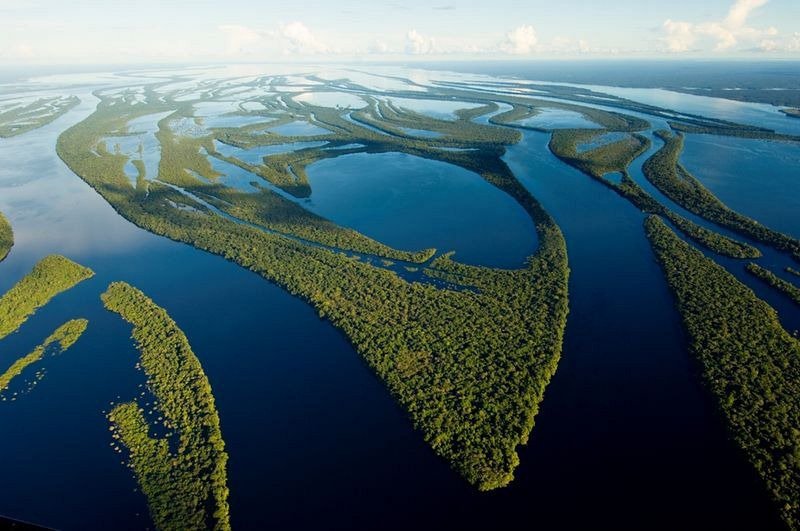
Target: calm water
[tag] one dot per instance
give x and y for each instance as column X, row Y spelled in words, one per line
column 757, row 114
column 443, row 110
column 256, row 155
column 414, row 203
column 299, row 129
column 755, row 177
column 332, row 99
column 558, row 119
column 315, row 442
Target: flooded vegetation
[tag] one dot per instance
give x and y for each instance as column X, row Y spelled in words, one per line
column 20, row 116
column 466, row 254
column 749, row 361
column 51, row 276
column 182, row 473
column 59, row 341
column 6, row 237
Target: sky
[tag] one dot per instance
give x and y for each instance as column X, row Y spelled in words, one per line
column 163, row 31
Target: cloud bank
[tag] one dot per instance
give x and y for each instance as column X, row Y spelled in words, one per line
column 723, row 35
column 520, row 41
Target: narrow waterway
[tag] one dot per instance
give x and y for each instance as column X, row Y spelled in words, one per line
column 626, row 405
column 627, row 438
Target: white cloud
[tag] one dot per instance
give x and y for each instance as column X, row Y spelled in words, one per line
column 740, row 11
column 378, row 47
column 292, row 38
column 794, row 43
column 790, row 44
column 681, row 36
column 302, row 40
column 520, row 41
column 240, row 38
column 768, row 45
column 418, row 44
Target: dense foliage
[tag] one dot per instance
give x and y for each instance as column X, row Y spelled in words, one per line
column 186, row 486
column 6, row 237
column 470, row 367
column 673, row 180
column 615, row 158
column 18, row 119
column 64, row 337
column 678, row 120
column 51, row 276
column 734, row 131
column 791, row 291
column 751, row 364
column 181, row 160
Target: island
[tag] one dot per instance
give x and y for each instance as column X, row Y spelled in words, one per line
column 182, row 471
column 19, row 117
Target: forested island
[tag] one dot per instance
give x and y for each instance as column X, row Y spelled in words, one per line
column 59, row 341
column 466, row 347
column 469, row 366
column 749, row 362
column 52, row 275
column 17, row 118
column 182, row 472
column 775, row 281
column 6, row 237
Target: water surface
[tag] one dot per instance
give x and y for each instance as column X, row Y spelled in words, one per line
column 758, row 178
column 315, row 441
column 414, row 203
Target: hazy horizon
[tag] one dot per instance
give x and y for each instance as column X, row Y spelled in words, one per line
column 47, row 32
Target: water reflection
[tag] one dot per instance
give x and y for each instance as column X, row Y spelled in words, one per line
column 755, row 177
column 308, row 426
column 415, row 203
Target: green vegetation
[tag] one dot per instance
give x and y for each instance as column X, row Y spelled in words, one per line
column 791, row 291
column 387, row 117
column 527, row 107
column 793, row 271
column 750, row 363
column 379, row 128
column 470, row 367
column 181, row 160
column 63, row 338
column 6, row 237
column 615, row 157
column 186, row 487
column 665, row 172
column 51, row 276
column 16, row 119
column 577, row 95
column 712, row 240
column 735, row 131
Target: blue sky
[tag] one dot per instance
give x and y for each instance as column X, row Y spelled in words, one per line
column 53, row 31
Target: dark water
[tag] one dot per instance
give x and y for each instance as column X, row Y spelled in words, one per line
column 413, row 203
column 758, row 178
column 626, row 438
